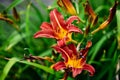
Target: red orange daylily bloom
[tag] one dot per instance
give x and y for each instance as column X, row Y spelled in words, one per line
column 59, row 29
column 73, row 60
column 68, row 6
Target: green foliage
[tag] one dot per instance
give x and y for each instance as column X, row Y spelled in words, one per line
column 103, row 55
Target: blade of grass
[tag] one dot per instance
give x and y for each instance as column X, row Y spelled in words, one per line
column 13, row 39
column 112, row 48
column 12, row 61
column 98, row 45
column 41, row 4
column 109, row 67
column 46, row 69
column 27, row 21
column 46, row 52
column 13, row 4
column 7, row 68
column 118, row 27
column 38, row 13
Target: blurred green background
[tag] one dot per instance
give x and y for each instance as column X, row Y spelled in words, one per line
column 16, row 40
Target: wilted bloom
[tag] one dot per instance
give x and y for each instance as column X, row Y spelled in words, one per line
column 90, row 12
column 68, row 6
column 110, row 17
column 4, row 17
column 59, row 29
column 74, row 60
column 16, row 15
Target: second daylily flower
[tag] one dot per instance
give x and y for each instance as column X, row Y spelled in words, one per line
column 73, row 60
column 59, row 29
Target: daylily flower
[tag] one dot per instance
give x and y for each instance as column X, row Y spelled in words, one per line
column 73, row 60
column 68, row 6
column 110, row 18
column 59, row 29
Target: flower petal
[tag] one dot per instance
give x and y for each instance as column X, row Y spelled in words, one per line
column 46, row 26
column 61, row 42
column 59, row 66
column 57, row 20
column 73, row 28
column 76, row 71
column 68, row 51
column 83, row 52
column 65, row 55
column 73, row 48
column 89, row 68
column 71, row 19
column 45, row 33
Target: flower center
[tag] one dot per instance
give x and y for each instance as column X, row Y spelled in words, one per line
column 74, row 62
column 62, row 33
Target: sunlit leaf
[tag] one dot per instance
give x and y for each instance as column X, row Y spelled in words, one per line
column 7, row 68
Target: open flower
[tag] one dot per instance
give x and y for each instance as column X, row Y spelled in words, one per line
column 59, row 29
column 73, row 60
column 67, row 6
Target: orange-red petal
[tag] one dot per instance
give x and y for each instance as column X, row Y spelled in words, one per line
column 89, row 68
column 59, row 66
column 71, row 19
column 57, row 20
column 65, row 55
column 76, row 71
column 45, row 33
column 46, row 26
column 73, row 28
column 73, row 48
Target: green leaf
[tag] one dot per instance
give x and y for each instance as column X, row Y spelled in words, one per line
column 118, row 21
column 109, row 67
column 47, row 69
column 12, row 61
column 7, row 68
column 98, row 45
column 39, row 14
column 13, row 4
column 27, row 22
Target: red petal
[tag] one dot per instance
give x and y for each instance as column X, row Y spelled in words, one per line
column 73, row 28
column 57, row 19
column 45, row 33
column 46, row 26
column 84, row 52
column 76, row 71
column 68, row 51
column 73, row 48
column 71, row 19
column 61, row 42
column 65, row 55
column 89, row 68
column 59, row 66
